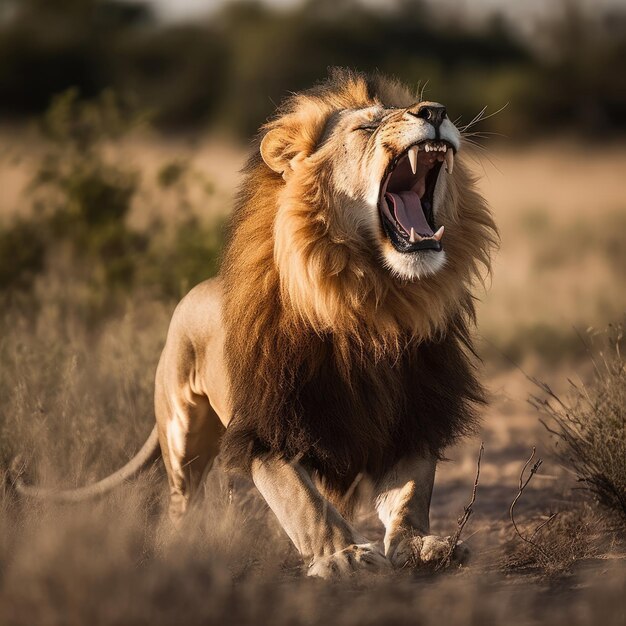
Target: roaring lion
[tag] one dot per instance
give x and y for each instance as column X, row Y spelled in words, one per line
column 335, row 343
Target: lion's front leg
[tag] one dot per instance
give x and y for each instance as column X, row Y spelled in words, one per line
column 403, row 504
column 321, row 535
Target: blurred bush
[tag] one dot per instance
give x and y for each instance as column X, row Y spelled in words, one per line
column 22, row 252
column 230, row 68
column 82, row 195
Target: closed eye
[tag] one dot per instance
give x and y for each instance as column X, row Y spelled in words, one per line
column 368, row 128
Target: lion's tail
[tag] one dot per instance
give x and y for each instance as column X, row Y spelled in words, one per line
column 148, row 452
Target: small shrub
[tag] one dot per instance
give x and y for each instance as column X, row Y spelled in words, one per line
column 82, row 193
column 590, row 429
column 22, row 252
column 178, row 260
column 171, row 173
column 571, row 536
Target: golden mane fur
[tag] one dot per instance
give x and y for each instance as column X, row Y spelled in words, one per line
column 304, row 294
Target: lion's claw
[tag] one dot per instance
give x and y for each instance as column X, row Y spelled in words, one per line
column 356, row 557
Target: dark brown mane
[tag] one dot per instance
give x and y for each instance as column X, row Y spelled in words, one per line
column 391, row 373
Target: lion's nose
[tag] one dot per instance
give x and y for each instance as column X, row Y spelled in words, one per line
column 431, row 111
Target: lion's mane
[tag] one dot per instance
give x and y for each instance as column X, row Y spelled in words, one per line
column 331, row 359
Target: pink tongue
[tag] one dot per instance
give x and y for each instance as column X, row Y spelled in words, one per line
column 407, row 209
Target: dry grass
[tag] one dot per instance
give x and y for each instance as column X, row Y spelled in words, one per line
column 574, row 538
column 76, row 401
column 559, row 542
column 561, row 210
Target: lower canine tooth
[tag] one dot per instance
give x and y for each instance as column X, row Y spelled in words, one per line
column 450, row 161
column 439, row 234
column 414, row 237
column 413, row 158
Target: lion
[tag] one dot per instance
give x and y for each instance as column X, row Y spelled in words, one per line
column 335, row 343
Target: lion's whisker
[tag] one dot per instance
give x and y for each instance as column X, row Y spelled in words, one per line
column 481, row 117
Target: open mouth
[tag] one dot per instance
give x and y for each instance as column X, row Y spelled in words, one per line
column 406, row 196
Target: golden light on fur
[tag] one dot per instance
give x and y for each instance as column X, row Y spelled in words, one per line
column 291, row 234
column 308, row 289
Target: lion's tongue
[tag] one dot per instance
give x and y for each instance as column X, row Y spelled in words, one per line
column 407, row 210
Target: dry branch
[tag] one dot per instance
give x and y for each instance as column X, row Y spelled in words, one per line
column 522, row 486
column 467, row 512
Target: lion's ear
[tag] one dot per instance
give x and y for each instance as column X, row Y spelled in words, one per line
column 278, row 152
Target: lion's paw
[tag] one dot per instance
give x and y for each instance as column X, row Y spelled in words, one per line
column 430, row 550
column 365, row 556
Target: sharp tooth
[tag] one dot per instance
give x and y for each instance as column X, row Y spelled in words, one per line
column 439, row 234
column 413, row 158
column 450, row 161
column 414, row 237
column 426, row 147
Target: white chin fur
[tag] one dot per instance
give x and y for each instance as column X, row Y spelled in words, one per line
column 414, row 265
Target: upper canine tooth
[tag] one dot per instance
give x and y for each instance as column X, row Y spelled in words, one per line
column 439, row 234
column 413, row 158
column 450, row 161
column 427, row 148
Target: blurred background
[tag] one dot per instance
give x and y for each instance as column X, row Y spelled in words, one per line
column 218, row 64
column 123, row 127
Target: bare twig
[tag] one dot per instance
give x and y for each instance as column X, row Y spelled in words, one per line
column 545, row 523
column 467, row 512
column 522, row 486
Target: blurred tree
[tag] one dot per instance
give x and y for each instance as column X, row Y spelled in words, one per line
column 231, row 68
column 48, row 47
column 180, row 73
column 582, row 82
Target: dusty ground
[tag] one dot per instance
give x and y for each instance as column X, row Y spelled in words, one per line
column 77, row 404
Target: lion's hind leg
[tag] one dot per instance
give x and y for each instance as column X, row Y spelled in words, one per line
column 189, row 434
